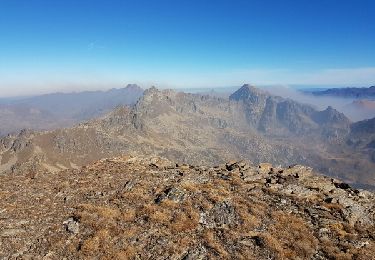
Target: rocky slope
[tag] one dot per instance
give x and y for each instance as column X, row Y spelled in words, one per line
column 151, row 208
column 200, row 129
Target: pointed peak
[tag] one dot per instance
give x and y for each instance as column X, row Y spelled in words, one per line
column 154, row 93
column 247, row 91
column 250, row 87
column 247, row 86
column 332, row 111
column 332, row 116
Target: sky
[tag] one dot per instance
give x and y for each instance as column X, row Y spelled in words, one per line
column 72, row 45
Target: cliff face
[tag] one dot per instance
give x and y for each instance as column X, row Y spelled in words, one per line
column 149, row 207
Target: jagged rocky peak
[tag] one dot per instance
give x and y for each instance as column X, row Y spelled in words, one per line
column 154, row 93
column 151, row 90
column 154, row 96
column 161, row 101
column 248, row 92
column 270, row 113
column 331, row 116
column 152, row 104
column 254, row 101
column 19, row 141
column 155, row 90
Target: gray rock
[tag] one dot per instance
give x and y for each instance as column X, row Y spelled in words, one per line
column 222, row 214
column 71, row 225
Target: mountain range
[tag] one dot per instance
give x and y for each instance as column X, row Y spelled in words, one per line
column 200, row 129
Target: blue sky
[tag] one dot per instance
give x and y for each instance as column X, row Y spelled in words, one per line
column 86, row 44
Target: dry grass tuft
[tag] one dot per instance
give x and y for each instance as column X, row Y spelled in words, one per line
column 185, row 221
column 214, row 244
column 290, row 238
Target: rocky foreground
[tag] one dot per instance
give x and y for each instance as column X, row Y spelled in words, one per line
column 151, row 208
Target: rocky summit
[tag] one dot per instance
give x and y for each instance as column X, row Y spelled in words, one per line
column 151, row 208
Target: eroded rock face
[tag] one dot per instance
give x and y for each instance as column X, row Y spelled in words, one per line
column 149, row 207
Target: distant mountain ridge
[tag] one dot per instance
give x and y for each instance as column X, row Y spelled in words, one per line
column 346, row 92
column 56, row 110
column 82, row 105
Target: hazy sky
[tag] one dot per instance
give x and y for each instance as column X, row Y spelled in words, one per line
column 87, row 44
